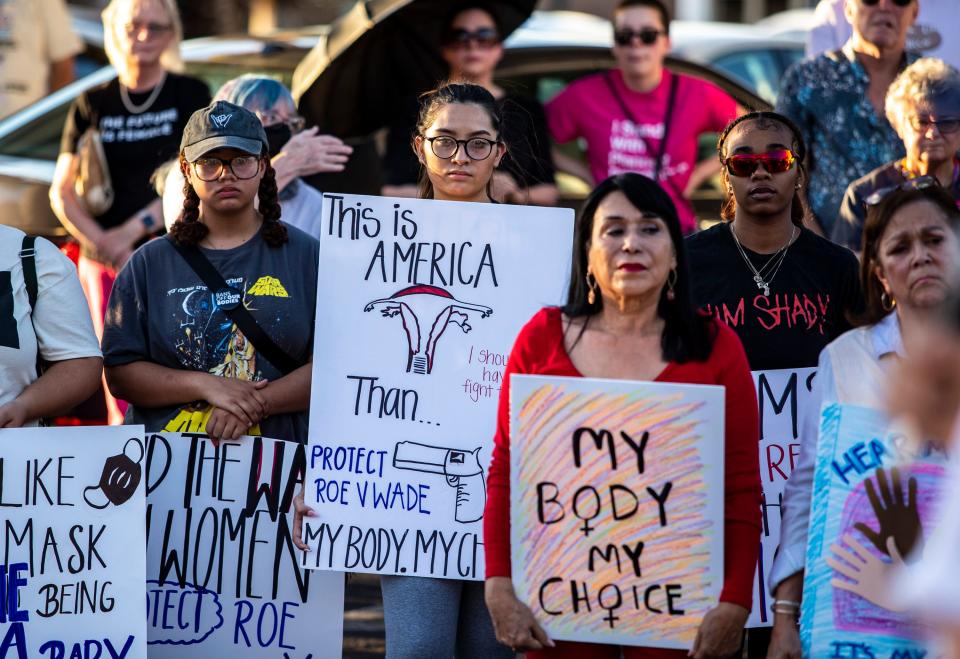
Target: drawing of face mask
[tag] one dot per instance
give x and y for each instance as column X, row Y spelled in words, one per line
column 426, row 312
column 118, row 481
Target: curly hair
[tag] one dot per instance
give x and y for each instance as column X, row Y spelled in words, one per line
column 766, row 120
column 189, row 230
column 923, row 81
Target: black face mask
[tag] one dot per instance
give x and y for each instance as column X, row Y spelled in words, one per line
column 118, row 481
column 277, row 136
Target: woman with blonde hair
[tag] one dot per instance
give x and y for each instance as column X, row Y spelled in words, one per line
column 127, row 127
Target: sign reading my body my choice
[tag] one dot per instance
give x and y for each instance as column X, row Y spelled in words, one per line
column 616, row 507
column 72, row 563
column 418, row 305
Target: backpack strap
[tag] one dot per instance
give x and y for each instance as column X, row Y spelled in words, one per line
column 28, row 258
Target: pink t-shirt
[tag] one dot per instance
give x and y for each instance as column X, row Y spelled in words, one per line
column 615, row 144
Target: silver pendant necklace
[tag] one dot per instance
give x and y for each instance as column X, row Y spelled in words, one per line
column 772, row 265
column 132, row 108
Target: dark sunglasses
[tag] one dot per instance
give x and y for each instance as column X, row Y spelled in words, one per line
column 745, row 164
column 647, row 36
column 919, row 183
column 874, row 3
column 485, row 37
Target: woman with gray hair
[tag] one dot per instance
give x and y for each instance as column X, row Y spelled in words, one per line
column 923, row 105
column 294, row 152
column 124, row 128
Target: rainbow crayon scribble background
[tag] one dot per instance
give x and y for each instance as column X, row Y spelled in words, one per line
column 685, row 447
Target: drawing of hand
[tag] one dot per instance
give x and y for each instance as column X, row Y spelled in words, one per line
column 898, row 518
column 869, row 576
column 458, row 318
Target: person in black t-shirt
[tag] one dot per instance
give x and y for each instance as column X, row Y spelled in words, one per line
column 140, row 116
column 786, row 291
column 783, row 289
column 472, row 49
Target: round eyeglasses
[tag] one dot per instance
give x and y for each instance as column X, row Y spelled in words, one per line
column 243, row 167
column 476, row 148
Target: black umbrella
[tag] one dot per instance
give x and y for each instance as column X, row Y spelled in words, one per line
column 378, row 53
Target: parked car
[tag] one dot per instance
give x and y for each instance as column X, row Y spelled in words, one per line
column 550, row 50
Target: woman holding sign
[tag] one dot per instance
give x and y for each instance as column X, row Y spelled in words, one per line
column 908, row 265
column 458, row 144
column 210, row 329
column 784, row 290
column 629, row 316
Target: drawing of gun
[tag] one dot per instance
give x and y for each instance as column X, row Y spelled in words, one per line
column 461, row 469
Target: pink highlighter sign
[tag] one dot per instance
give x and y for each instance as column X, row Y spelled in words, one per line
column 418, row 305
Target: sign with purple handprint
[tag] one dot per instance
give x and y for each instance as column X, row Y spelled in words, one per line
column 874, row 495
column 418, row 304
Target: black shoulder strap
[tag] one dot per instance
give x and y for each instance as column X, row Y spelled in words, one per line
column 667, row 117
column 240, row 315
column 28, row 258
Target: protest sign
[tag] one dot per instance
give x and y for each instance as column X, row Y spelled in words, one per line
column 870, row 483
column 223, row 576
column 72, row 563
column 781, row 395
column 616, row 502
column 418, row 305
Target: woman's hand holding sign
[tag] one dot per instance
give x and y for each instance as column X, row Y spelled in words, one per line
column 300, row 510
column 721, row 632
column 513, row 622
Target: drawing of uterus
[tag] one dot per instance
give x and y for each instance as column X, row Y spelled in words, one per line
column 420, row 307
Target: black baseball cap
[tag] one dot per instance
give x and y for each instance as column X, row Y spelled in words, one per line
column 222, row 125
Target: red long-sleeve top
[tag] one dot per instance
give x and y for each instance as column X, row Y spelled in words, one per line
column 539, row 350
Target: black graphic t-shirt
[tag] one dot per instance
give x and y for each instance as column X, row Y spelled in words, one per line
column 160, row 311
column 134, row 144
column 816, row 286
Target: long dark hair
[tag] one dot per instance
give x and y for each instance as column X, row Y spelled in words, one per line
column 798, row 207
column 189, row 230
column 874, row 226
column 687, row 335
column 453, row 92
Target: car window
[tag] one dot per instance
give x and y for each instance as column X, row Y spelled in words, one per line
column 759, row 69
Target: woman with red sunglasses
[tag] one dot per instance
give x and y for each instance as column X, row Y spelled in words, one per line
column 784, row 290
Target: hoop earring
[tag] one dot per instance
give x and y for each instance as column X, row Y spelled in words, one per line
column 887, row 302
column 591, row 289
column 671, row 282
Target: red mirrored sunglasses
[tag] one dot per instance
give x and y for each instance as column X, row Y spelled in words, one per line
column 745, row 164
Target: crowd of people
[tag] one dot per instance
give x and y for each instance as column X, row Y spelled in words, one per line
column 843, row 201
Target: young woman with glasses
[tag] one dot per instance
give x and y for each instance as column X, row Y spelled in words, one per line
column 786, row 291
column 140, row 116
column 172, row 344
column 472, row 48
column 458, row 143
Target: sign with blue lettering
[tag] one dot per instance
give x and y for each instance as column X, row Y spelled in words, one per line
column 71, row 554
column 874, row 494
column 223, row 576
column 418, row 304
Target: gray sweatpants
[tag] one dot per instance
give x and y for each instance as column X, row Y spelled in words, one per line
column 438, row 619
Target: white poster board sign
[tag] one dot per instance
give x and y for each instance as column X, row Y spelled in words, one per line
column 781, row 395
column 418, row 305
column 616, row 507
column 223, row 576
column 72, row 562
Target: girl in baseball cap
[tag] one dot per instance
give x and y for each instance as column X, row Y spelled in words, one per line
column 210, row 328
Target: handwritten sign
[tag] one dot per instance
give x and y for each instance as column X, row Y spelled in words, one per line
column 223, row 576
column 870, row 483
column 781, row 395
column 617, row 507
column 71, row 562
column 418, row 304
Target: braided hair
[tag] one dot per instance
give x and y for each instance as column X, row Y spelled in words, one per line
column 189, row 230
column 765, row 120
